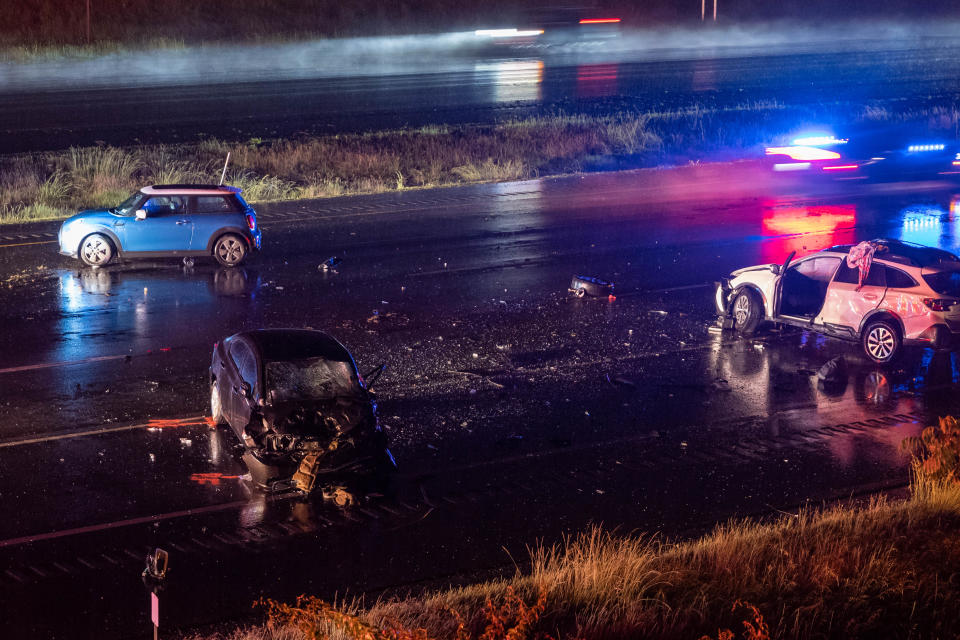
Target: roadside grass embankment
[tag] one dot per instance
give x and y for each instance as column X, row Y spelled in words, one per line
column 884, row 569
column 55, row 184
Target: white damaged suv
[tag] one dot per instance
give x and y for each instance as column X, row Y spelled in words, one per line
column 910, row 295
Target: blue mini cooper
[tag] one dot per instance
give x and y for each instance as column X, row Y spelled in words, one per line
column 165, row 220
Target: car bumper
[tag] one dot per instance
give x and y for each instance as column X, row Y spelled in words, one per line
column 938, row 336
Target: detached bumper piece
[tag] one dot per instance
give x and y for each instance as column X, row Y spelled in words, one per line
column 724, row 318
column 305, row 477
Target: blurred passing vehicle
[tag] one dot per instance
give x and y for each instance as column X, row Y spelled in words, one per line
column 556, row 25
column 165, row 220
column 296, row 401
column 890, row 153
column 909, row 295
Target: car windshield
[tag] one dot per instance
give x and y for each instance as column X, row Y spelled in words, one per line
column 129, row 206
column 944, row 282
column 310, row 379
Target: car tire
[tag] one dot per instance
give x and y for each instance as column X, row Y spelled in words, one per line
column 96, row 250
column 747, row 312
column 230, row 250
column 881, row 341
column 216, row 404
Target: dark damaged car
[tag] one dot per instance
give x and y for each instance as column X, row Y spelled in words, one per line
column 300, row 407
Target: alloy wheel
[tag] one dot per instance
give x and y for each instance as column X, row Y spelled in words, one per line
column 741, row 310
column 230, row 250
column 881, row 342
column 96, row 251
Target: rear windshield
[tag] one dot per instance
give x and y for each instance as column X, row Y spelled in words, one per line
column 944, row 282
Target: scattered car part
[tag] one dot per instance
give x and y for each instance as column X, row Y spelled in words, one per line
column 581, row 286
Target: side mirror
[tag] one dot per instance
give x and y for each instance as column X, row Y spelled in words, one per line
column 775, row 269
column 245, row 390
column 141, row 214
column 373, row 375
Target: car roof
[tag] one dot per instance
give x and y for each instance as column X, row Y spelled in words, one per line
column 190, row 189
column 296, row 344
column 905, row 253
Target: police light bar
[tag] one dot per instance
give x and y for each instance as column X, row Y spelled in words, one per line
column 919, row 148
column 819, row 141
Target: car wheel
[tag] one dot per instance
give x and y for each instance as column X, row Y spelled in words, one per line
column 230, row 250
column 747, row 312
column 216, row 406
column 881, row 341
column 96, row 250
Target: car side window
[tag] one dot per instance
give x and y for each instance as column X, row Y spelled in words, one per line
column 899, row 279
column 819, row 269
column 875, row 278
column 160, row 205
column 215, row 204
column 245, row 362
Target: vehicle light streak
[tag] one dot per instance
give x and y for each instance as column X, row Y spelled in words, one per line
column 599, row 20
column 803, row 153
column 791, row 166
column 842, row 167
column 818, row 141
column 507, row 33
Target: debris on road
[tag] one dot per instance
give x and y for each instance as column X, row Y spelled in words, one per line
column 330, row 264
column 621, row 383
column 581, row 286
column 833, row 371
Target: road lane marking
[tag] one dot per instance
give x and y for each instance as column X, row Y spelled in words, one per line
column 50, row 365
column 24, row 244
column 52, row 535
column 154, row 423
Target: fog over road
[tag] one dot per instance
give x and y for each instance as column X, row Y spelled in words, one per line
column 516, row 412
column 270, row 91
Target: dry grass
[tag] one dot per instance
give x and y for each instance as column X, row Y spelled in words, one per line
column 51, row 185
column 887, row 569
column 884, row 570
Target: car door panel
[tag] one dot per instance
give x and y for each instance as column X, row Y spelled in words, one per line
column 844, row 304
column 167, row 227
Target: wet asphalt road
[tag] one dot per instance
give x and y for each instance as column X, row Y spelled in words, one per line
column 267, row 92
column 516, row 413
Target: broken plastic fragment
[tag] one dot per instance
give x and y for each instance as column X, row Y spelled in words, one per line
column 330, row 263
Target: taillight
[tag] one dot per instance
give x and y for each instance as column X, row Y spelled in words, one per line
column 251, row 222
column 939, row 304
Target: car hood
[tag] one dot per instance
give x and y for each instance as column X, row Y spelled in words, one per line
column 91, row 215
column 759, row 267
